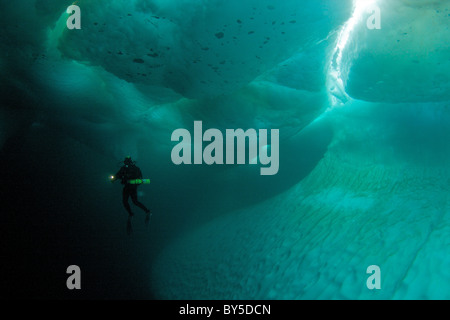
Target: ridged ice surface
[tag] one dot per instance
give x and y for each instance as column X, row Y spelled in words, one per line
column 315, row 241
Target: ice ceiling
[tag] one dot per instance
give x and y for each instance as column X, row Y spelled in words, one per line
column 365, row 183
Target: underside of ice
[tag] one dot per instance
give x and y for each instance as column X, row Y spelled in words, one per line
column 364, row 131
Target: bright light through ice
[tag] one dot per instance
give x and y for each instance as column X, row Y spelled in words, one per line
column 361, row 8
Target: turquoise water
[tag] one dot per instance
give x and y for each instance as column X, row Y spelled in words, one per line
column 363, row 179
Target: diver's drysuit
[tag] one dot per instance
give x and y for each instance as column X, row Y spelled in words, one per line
column 129, row 172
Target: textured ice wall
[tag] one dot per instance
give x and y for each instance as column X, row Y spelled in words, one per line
column 379, row 197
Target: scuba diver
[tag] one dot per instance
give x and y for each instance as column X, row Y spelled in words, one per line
column 129, row 171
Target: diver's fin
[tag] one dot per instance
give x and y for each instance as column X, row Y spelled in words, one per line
column 148, row 215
